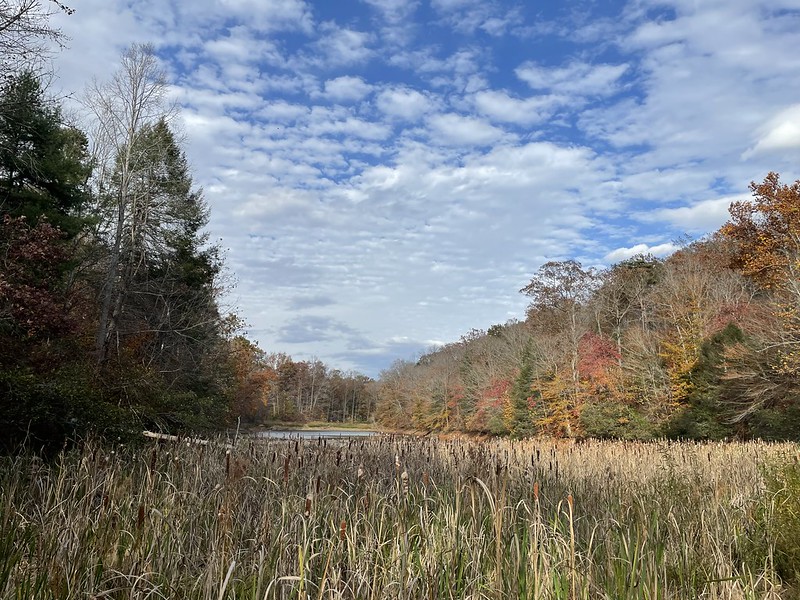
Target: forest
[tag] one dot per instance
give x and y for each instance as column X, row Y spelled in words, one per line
column 704, row 344
column 112, row 317
column 111, row 292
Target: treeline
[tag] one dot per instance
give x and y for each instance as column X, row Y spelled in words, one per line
column 110, row 315
column 272, row 387
column 704, row 345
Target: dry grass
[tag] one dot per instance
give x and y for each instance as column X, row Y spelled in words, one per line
column 392, row 517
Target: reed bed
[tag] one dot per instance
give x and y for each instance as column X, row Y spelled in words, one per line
column 394, row 517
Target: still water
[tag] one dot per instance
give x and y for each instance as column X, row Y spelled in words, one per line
column 314, row 433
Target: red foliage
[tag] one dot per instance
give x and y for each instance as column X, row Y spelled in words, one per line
column 496, row 392
column 596, row 355
column 31, row 295
column 491, row 404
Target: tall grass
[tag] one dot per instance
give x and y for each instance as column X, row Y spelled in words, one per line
column 397, row 517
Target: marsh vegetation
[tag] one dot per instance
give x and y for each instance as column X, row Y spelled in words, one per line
column 402, row 517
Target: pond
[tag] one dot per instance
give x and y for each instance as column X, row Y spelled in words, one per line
column 293, row 434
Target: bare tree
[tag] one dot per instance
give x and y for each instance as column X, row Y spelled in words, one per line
column 133, row 101
column 559, row 292
column 26, row 32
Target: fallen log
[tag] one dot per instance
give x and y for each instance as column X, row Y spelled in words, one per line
column 165, row 437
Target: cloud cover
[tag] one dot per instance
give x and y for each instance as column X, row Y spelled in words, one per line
column 389, row 172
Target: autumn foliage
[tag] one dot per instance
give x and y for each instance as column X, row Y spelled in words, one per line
column 703, row 344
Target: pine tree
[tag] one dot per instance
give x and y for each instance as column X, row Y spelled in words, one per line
column 44, row 165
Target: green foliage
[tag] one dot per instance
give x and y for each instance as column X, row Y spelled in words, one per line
column 614, row 420
column 774, row 535
column 44, row 165
column 45, row 411
column 703, row 418
column 521, row 392
column 186, row 412
column 783, row 492
column 776, row 424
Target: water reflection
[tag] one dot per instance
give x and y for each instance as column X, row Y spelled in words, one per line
column 313, row 434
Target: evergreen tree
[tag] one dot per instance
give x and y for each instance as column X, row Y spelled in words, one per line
column 521, row 392
column 44, row 165
column 165, row 311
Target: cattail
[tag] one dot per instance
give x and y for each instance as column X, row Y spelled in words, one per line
column 227, row 463
column 536, row 491
column 140, row 517
column 426, row 479
column 308, row 505
column 404, row 479
column 360, row 473
column 343, row 530
column 286, row 469
column 153, row 456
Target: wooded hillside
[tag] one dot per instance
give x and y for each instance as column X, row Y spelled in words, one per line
column 704, row 344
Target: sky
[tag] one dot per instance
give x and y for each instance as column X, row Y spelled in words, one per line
column 385, row 175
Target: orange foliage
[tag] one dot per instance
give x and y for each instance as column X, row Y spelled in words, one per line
column 253, row 379
column 767, row 231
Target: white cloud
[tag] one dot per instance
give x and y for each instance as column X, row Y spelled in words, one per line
column 394, row 10
column 578, row 78
column 660, row 250
column 466, row 16
column 456, row 130
column 404, row 103
column 499, row 106
column 703, row 216
column 339, row 46
column 282, row 111
column 275, row 201
column 323, row 121
column 265, row 14
column 346, row 88
column 780, row 134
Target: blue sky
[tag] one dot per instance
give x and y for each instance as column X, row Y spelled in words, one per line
column 387, row 174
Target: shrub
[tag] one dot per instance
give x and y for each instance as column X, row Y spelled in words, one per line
column 45, row 411
column 614, row 420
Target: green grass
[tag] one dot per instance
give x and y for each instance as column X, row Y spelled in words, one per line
column 398, row 517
